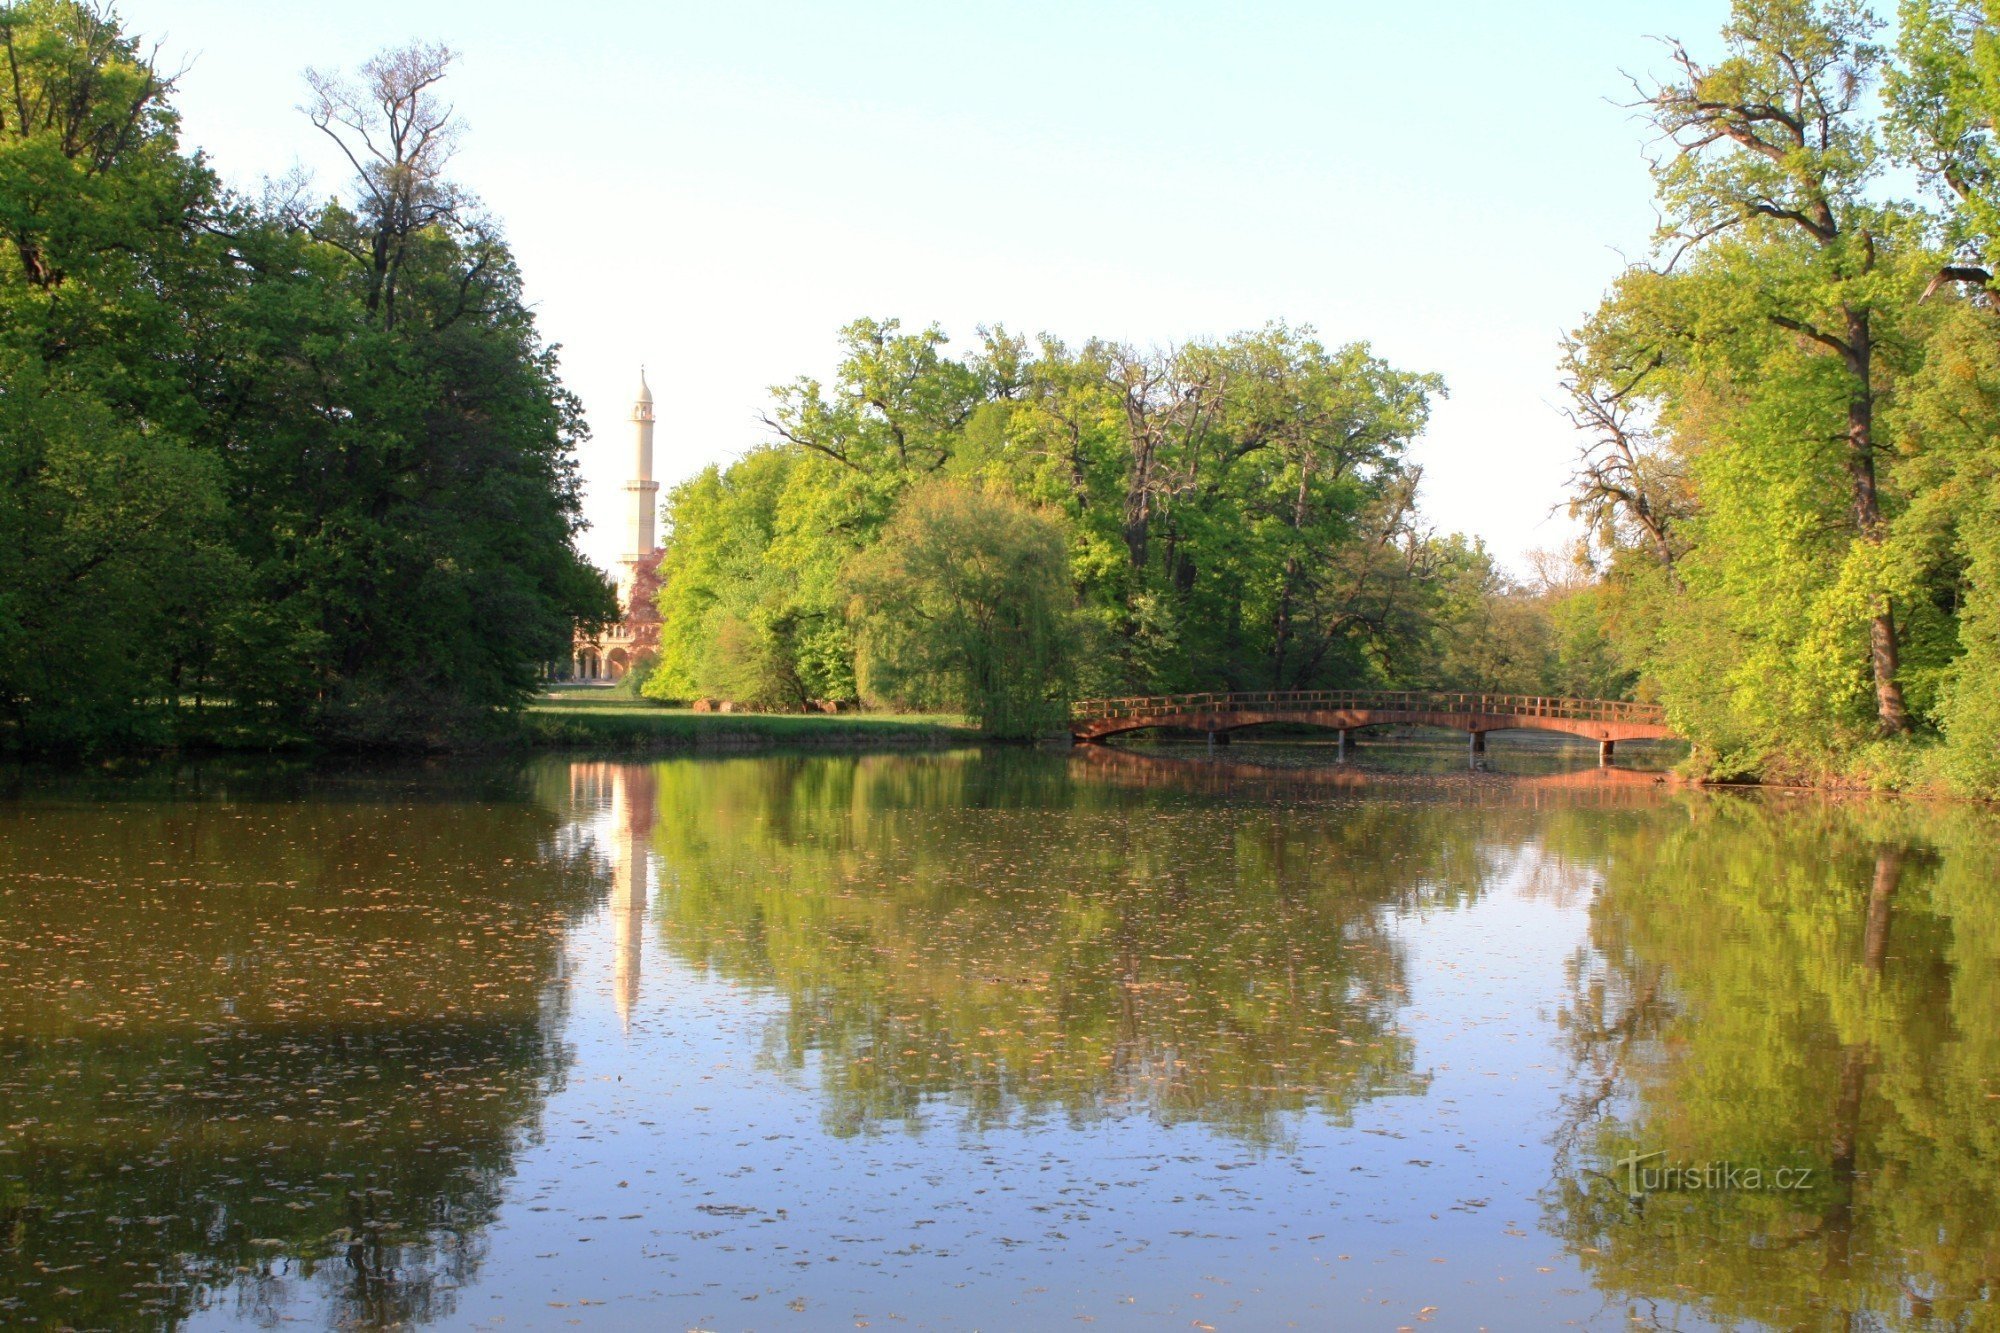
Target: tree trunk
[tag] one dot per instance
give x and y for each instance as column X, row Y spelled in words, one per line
column 1892, row 717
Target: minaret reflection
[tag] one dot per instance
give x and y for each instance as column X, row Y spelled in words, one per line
column 632, row 810
column 628, row 837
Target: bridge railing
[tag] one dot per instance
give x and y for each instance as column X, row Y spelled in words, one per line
column 1139, row 708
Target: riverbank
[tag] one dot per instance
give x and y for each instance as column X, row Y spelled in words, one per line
column 630, row 725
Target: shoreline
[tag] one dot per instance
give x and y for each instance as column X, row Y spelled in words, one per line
column 630, row 727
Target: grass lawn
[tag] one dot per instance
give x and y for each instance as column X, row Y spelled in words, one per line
column 598, row 720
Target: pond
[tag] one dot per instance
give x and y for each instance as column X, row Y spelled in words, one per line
column 1155, row 1037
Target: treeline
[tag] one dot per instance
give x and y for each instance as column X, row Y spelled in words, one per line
column 1793, row 467
column 1002, row 531
column 274, row 469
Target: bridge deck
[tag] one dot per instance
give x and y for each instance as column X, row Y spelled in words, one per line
column 1478, row 713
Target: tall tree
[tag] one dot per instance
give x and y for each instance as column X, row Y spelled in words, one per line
column 115, row 573
column 1236, row 512
column 1773, row 143
column 412, row 513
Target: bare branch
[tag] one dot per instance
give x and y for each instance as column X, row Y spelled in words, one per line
column 1965, row 273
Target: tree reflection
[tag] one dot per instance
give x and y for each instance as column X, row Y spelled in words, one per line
column 1014, row 935
column 285, row 1048
column 1794, row 986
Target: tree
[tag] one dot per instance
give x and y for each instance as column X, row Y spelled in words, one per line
column 1242, row 509
column 1627, row 486
column 411, row 507
column 115, row 576
column 111, row 573
column 1944, row 118
column 275, row 473
column 398, row 136
column 1773, row 145
column 965, row 605
column 1236, row 512
column 1944, row 112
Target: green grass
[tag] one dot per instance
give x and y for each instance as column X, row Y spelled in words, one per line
column 611, row 722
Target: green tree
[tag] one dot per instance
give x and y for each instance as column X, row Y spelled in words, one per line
column 1488, row 633
column 313, row 465
column 115, row 576
column 1944, row 103
column 729, row 613
column 1235, row 512
column 1771, row 153
column 111, row 577
column 1944, row 120
column 411, row 517
column 965, row 605
column 1786, row 463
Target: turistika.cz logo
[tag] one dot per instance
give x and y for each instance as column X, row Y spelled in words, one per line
column 1694, row 1177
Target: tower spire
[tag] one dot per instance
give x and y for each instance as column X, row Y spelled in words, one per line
column 642, row 495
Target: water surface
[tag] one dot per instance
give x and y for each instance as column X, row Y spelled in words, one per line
column 1146, row 1038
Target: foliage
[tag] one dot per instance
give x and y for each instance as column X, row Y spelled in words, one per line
column 964, row 605
column 1232, row 514
column 1791, row 415
column 274, row 471
column 110, row 575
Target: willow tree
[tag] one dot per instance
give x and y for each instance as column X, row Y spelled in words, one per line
column 965, row 605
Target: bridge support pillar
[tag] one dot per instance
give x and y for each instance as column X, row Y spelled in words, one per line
column 1342, row 752
column 1479, row 742
column 1604, row 749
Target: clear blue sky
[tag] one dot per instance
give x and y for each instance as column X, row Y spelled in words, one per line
column 713, row 189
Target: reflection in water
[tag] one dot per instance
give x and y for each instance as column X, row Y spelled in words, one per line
column 1205, row 942
column 284, row 1046
column 1797, row 987
column 1011, row 938
column 626, row 792
column 305, row 1050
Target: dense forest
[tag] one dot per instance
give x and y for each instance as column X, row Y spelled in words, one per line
column 276, row 469
column 1792, row 468
column 1003, row 531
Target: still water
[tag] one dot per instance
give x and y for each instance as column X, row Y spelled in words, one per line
column 994, row 1040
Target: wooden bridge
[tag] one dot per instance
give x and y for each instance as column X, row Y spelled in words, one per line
column 1606, row 721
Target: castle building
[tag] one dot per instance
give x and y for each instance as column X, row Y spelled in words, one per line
column 619, row 646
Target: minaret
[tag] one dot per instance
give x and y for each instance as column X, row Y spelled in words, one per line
column 643, row 495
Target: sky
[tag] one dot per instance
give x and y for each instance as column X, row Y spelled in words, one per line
column 712, row 190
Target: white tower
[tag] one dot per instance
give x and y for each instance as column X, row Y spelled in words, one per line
column 642, row 492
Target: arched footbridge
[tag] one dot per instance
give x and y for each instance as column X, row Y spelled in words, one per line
column 1606, row 721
